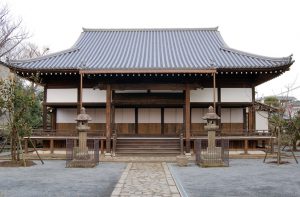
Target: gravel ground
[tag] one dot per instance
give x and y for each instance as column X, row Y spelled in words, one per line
column 53, row 179
column 243, row 178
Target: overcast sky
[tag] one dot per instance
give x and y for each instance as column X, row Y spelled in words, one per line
column 265, row 27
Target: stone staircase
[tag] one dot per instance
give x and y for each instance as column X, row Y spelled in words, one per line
column 148, row 146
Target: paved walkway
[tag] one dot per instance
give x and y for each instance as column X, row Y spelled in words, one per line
column 146, row 179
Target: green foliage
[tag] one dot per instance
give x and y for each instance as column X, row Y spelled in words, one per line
column 272, row 101
column 292, row 127
column 21, row 105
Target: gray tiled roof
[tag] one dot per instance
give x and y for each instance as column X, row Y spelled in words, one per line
column 118, row 49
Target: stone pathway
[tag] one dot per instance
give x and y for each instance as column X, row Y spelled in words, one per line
column 146, row 179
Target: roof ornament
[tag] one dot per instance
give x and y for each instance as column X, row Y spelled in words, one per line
column 212, row 63
column 82, row 65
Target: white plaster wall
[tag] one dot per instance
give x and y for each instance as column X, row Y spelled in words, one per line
column 203, row 95
column 149, row 115
column 261, row 120
column 173, row 115
column 237, row 115
column 66, row 115
column 98, row 115
column 232, row 115
column 124, row 115
column 236, row 95
column 225, row 115
column 89, row 95
column 197, row 115
column 62, row 95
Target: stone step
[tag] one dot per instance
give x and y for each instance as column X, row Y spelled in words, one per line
column 148, row 146
column 154, row 151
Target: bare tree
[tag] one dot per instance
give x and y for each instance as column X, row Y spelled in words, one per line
column 27, row 50
column 11, row 32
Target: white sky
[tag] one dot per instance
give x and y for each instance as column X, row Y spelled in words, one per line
column 265, row 27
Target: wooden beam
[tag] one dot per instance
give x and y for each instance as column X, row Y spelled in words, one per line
column 108, row 120
column 146, row 71
column 187, row 119
column 148, row 86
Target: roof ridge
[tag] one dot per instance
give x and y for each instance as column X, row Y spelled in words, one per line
column 46, row 56
column 226, row 48
column 151, row 29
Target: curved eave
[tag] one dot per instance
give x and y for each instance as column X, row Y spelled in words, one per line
column 284, row 67
column 145, row 71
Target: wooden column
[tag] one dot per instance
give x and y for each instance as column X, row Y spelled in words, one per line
column 253, row 109
column 214, row 90
column 219, row 109
column 246, row 146
column 187, row 119
column 162, row 122
column 45, row 108
column 51, row 146
column 53, row 119
column 108, row 119
column 245, row 121
column 113, row 125
column 136, row 121
column 79, row 98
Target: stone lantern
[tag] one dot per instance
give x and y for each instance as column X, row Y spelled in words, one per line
column 82, row 120
column 212, row 155
column 82, row 127
column 211, row 117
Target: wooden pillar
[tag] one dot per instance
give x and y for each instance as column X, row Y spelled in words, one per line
column 79, row 100
column 53, row 120
column 187, row 119
column 108, row 119
column 102, row 146
column 45, row 108
column 246, row 146
column 51, row 146
column 136, row 121
column 245, row 121
column 113, row 125
column 214, row 90
column 162, row 122
column 219, row 109
column 253, row 109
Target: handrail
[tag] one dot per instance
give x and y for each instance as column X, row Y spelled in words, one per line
column 243, row 132
column 65, row 132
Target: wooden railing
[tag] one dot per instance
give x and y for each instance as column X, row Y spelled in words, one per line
column 233, row 132
column 50, row 132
